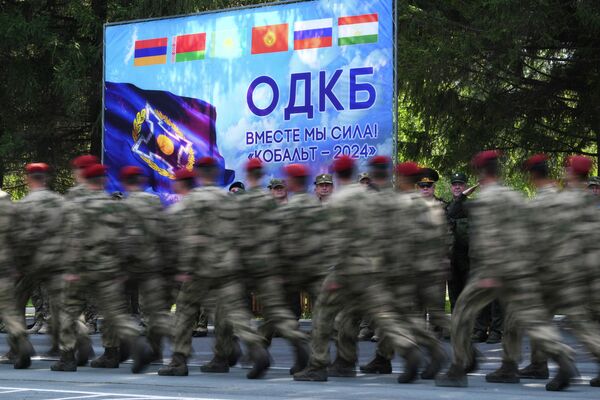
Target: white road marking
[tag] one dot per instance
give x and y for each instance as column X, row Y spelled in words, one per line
column 109, row 395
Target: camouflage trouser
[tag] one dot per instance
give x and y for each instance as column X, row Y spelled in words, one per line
column 41, row 304
column 52, row 289
column 523, row 299
column 231, row 316
column 357, row 296
column 11, row 317
column 585, row 329
column 118, row 325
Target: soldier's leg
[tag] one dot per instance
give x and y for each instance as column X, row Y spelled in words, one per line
column 70, row 331
column 40, row 312
column 349, row 325
column 17, row 336
column 152, row 298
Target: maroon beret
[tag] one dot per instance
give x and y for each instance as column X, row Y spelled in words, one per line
column 130, row 171
column 184, row 173
column 95, row 171
column 206, row 162
column 342, row 163
column 380, row 161
column 484, row 157
column 535, row 160
column 254, row 163
column 84, row 161
column 408, row 168
column 37, row 168
column 580, row 165
column 296, row 170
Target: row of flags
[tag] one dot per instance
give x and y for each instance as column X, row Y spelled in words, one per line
column 312, row 34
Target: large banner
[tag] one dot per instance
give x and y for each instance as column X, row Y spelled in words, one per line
column 300, row 82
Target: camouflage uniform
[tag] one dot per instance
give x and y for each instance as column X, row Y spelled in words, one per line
column 98, row 242
column 255, row 238
column 204, row 257
column 39, row 247
column 501, row 267
column 11, row 316
column 356, row 284
column 562, row 265
column 143, row 264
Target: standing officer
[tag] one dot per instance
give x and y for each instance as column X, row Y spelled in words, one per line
column 324, row 187
column 501, row 268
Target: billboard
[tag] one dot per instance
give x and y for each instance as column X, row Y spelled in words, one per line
column 293, row 82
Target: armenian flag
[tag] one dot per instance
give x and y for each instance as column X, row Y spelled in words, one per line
column 150, row 52
column 313, row 34
column 358, row 29
column 189, row 47
column 269, row 39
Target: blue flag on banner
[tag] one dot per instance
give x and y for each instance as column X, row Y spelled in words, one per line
column 158, row 131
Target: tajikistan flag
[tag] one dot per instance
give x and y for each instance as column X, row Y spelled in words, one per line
column 358, row 29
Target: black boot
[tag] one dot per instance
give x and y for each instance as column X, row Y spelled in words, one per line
column 562, row 380
column 217, row 365
column 507, row 373
column 236, row 353
column 110, row 359
column 474, row 364
column 262, row 361
column 311, row 374
column 438, row 359
column 24, row 351
column 411, row 366
column 595, row 382
column 302, row 355
column 378, row 365
column 455, row 377
column 177, row 366
column 155, row 342
column 124, row 351
column 341, row 368
column 142, row 356
column 84, row 350
column 535, row 370
column 66, row 363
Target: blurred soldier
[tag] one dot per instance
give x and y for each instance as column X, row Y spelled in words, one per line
column 278, row 190
column 39, row 243
column 559, row 246
column 414, row 281
column 78, row 165
column 256, row 242
column 355, row 285
column 98, row 241
column 20, row 348
column 144, row 263
column 324, row 187
column 202, row 249
column 502, row 268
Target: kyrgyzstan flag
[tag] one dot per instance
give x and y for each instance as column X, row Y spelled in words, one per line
column 269, row 38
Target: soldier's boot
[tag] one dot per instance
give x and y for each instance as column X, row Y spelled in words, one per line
column 474, row 364
column 595, row 382
column 35, row 328
column 378, row 365
column 143, row 355
column 262, row 361
column 311, row 374
column 507, row 373
column 110, row 359
column 217, row 365
column 562, row 380
column 66, row 363
column 412, row 360
column 236, row 353
column 84, row 350
column 455, row 377
column 302, row 355
column 535, row 370
column 23, row 354
column 177, row 366
column 124, row 351
column 438, row 359
column 341, row 368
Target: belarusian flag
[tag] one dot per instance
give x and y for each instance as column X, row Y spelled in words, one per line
column 358, row 29
column 189, row 47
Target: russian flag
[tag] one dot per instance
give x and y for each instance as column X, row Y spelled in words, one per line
column 313, row 34
column 150, row 52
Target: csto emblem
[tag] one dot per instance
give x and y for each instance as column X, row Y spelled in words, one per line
column 160, row 143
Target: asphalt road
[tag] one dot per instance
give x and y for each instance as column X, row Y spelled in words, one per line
column 39, row 382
